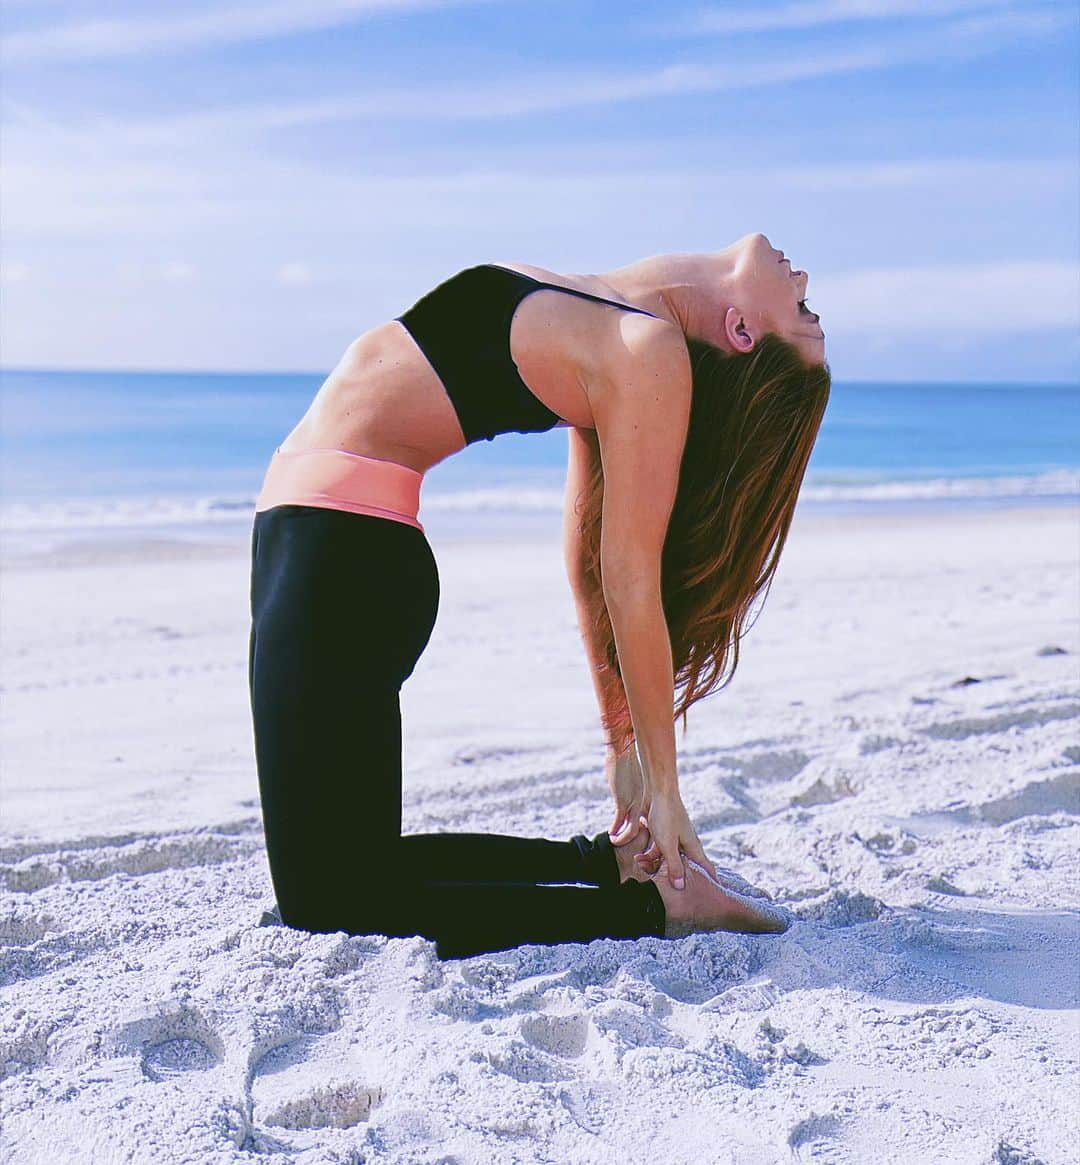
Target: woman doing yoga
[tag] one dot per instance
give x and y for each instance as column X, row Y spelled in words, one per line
column 692, row 387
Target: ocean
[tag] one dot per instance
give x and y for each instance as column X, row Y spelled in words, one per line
column 104, row 451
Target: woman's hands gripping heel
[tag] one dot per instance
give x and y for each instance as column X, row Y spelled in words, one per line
column 661, row 812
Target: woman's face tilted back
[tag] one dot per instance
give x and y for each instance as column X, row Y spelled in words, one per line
column 767, row 295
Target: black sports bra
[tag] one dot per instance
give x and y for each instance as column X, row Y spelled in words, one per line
column 463, row 328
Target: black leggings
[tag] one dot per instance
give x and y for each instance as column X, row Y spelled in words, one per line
column 342, row 606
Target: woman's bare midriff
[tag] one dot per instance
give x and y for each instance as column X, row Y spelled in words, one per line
column 383, row 399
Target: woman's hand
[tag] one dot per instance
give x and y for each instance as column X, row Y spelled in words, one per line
column 672, row 835
column 630, row 792
column 664, row 813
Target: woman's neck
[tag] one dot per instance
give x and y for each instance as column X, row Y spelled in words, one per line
column 690, row 290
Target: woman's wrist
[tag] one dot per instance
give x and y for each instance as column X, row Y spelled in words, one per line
column 660, row 767
column 664, row 778
column 663, row 785
column 625, row 753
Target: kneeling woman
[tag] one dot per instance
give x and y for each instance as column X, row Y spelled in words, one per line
column 692, row 387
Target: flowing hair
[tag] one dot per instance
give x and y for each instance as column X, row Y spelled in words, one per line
column 754, row 418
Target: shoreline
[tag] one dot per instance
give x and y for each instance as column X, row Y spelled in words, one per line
column 59, row 548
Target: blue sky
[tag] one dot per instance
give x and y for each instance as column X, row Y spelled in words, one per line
column 250, row 184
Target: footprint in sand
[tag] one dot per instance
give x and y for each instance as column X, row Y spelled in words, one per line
column 524, row 1063
column 842, row 908
column 289, row 1091
column 633, row 1027
column 338, row 1104
column 823, row 792
column 173, row 1058
column 819, row 1138
column 561, row 1035
column 24, row 1041
column 170, row 1039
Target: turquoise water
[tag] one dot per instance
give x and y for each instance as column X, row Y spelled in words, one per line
column 125, row 447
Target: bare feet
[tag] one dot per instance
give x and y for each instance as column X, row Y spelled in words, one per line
column 625, row 854
column 706, row 905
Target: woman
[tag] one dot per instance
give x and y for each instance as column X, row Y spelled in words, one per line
column 693, row 387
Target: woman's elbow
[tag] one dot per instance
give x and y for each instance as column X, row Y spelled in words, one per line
column 630, row 588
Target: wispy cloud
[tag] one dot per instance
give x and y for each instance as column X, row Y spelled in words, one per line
column 294, row 275
column 559, row 91
column 198, row 28
column 11, row 273
column 975, row 299
column 73, row 181
column 78, row 181
column 146, row 273
column 915, row 174
column 177, row 271
column 820, row 14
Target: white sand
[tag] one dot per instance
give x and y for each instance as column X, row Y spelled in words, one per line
column 922, row 1009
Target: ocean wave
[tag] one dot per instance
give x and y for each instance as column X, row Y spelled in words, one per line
column 125, row 512
column 122, row 512
column 1058, row 483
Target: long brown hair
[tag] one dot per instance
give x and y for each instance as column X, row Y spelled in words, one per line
column 754, row 418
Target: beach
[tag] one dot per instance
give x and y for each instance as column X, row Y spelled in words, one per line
column 897, row 761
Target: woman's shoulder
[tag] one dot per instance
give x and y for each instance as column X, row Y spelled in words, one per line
column 640, row 346
column 643, row 371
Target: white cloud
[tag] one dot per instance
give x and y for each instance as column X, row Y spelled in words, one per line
column 133, row 272
column 64, row 183
column 12, row 273
column 197, row 28
column 176, row 271
column 559, row 91
column 742, row 17
column 294, row 275
column 925, row 174
column 1003, row 298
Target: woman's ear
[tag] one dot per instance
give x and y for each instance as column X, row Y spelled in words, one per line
column 736, row 330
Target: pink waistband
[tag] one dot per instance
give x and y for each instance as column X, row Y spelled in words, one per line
column 335, row 479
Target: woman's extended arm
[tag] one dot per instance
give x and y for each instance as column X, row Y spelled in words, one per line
column 582, row 463
column 641, row 422
column 621, row 771
column 642, row 415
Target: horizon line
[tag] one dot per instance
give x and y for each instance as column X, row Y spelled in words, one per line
column 104, row 371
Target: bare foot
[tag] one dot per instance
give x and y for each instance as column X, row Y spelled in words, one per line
column 706, row 905
column 625, row 854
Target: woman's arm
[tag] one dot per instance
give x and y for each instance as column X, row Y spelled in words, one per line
column 621, row 771
column 582, row 464
column 642, row 415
